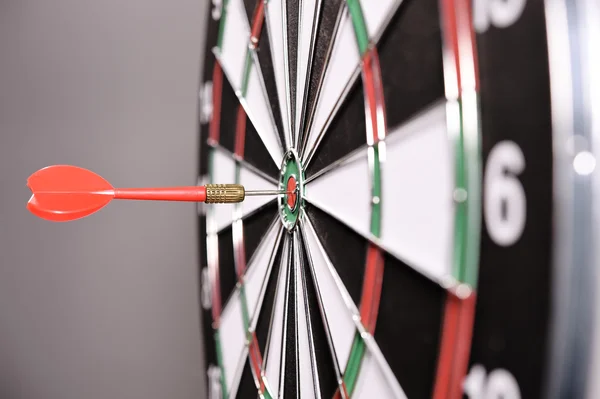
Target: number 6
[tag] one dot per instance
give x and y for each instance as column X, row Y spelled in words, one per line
column 504, row 197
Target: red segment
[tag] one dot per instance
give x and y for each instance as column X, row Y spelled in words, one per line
column 450, row 34
column 257, row 22
column 240, row 132
column 291, row 198
column 369, row 304
column 215, row 122
column 374, row 99
column 455, row 346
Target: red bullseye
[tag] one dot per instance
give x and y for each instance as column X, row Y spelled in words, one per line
column 291, row 198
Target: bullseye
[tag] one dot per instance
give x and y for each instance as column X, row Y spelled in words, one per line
column 291, row 180
column 293, row 197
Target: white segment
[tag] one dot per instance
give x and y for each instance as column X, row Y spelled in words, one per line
column 273, row 352
column 223, row 172
column 253, row 181
column 259, row 111
column 335, row 303
column 345, row 59
column 377, row 13
column 259, row 270
column 307, row 380
column 417, row 188
column 306, row 24
column 236, row 36
column 277, row 30
column 233, row 339
column 232, row 56
column 372, row 383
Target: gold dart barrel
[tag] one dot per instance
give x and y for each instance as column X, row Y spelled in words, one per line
column 224, row 193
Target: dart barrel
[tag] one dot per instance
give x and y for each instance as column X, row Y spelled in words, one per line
column 224, row 193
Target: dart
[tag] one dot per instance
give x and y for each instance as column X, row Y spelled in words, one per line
column 63, row 193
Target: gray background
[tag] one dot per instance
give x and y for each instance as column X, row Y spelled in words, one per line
column 104, row 307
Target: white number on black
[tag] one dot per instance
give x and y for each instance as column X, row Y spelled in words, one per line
column 499, row 384
column 214, row 382
column 216, row 11
column 504, row 197
column 206, row 104
column 499, row 13
column 206, row 292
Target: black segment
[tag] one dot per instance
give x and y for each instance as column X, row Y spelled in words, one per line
column 323, row 356
column 409, row 326
column 256, row 227
column 256, row 154
column 345, row 248
column 410, row 54
column 247, row 387
column 512, row 314
column 346, row 133
column 250, row 6
column 210, row 353
column 264, row 322
column 227, row 273
column 328, row 20
column 228, row 121
column 292, row 14
column 290, row 389
column 265, row 60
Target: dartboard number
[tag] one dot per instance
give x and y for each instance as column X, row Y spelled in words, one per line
column 504, row 197
column 499, row 13
column 216, row 9
column 206, row 295
column 499, row 384
column 214, row 382
column 206, row 104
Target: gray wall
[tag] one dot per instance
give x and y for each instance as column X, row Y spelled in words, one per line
column 104, row 307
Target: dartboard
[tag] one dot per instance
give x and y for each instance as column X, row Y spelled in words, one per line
column 413, row 251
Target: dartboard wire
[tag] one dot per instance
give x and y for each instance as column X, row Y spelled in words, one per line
column 311, row 340
column 284, row 336
column 301, row 108
column 461, row 86
column 278, row 290
column 250, row 61
column 286, row 69
column 307, row 154
column 363, row 335
column 224, row 151
column 284, row 103
column 310, row 113
column 309, row 260
column 393, row 137
column 300, row 280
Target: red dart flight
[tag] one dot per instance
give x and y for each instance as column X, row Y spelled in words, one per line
column 62, row 193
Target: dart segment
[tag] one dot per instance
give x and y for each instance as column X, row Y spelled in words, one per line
column 62, row 193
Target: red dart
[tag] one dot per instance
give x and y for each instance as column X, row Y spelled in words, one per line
column 62, row 193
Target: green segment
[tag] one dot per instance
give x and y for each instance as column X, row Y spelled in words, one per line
column 353, row 367
column 473, row 236
column 246, row 72
column 460, row 217
column 360, row 27
column 376, row 194
column 220, row 361
column 222, row 24
column 468, row 212
column 291, row 169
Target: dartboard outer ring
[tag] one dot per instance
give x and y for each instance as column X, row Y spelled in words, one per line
column 514, row 320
